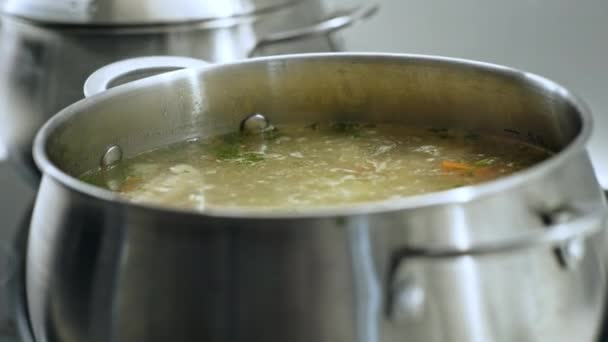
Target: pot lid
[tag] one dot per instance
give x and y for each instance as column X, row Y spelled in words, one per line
column 134, row 12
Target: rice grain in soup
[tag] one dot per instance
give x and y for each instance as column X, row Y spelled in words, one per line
column 295, row 166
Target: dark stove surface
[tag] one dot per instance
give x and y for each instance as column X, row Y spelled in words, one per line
column 15, row 327
column 16, row 199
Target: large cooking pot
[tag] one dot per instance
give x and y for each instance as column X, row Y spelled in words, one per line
column 134, row 12
column 516, row 259
column 42, row 67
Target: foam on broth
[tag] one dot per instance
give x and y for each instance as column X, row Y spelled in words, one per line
column 332, row 164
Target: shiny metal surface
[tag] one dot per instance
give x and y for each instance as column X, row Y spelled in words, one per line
column 102, row 269
column 134, row 12
column 327, row 26
column 112, row 156
column 42, row 69
column 255, row 123
column 135, row 68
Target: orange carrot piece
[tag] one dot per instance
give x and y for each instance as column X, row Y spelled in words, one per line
column 456, row 166
column 130, row 184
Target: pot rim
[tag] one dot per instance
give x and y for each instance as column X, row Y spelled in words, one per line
column 448, row 197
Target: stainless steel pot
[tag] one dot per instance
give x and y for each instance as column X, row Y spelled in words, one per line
column 42, row 67
column 517, row 259
column 134, row 12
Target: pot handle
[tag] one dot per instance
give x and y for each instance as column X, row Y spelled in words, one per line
column 563, row 225
column 564, row 235
column 326, row 26
column 136, row 68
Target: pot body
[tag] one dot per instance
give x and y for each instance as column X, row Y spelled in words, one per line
column 518, row 259
column 133, row 12
column 43, row 67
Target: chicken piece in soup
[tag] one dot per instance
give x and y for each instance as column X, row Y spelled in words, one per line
column 320, row 165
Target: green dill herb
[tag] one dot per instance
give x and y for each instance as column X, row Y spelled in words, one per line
column 314, row 126
column 344, row 127
column 437, row 130
column 350, row 128
column 471, row 136
column 484, row 162
column 251, row 157
column 442, row 133
column 234, row 138
column 229, row 148
column 227, row 151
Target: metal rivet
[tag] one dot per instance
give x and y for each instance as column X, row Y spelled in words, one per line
column 255, row 123
column 408, row 300
column 562, row 216
column 571, row 252
column 112, row 156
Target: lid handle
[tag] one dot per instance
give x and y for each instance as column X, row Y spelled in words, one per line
column 332, row 24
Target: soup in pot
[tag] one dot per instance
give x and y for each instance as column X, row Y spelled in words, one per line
column 324, row 164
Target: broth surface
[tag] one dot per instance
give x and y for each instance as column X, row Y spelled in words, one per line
column 294, row 167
